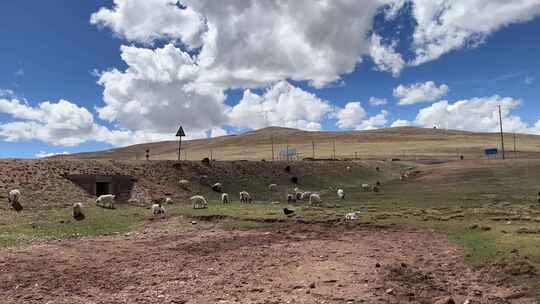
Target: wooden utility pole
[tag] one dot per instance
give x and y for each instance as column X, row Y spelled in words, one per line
column 272, row 140
column 334, row 148
column 287, row 151
column 502, row 136
column 211, row 155
column 313, row 149
column 180, row 133
column 515, row 151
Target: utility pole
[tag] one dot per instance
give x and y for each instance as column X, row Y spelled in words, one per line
column 287, row 150
column 515, row 151
column 211, row 155
column 502, row 136
column 334, row 148
column 313, row 149
column 272, row 140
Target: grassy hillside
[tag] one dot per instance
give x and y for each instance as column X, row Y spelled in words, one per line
column 402, row 142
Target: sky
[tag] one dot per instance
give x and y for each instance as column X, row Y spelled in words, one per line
column 92, row 75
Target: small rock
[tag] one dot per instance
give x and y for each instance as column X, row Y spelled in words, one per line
column 312, row 285
column 390, row 291
column 193, row 223
column 377, row 265
column 444, row 300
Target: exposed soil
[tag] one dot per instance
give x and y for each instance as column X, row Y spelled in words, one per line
column 283, row 263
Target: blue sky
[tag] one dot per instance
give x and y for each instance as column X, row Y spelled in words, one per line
column 160, row 67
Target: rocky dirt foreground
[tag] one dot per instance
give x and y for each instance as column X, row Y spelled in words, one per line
column 284, row 263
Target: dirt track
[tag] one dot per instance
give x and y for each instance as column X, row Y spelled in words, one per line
column 282, row 264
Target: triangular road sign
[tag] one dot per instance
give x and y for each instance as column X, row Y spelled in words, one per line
column 180, row 132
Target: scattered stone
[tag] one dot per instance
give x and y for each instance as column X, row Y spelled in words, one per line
column 377, row 265
column 485, row 228
column 193, row 223
column 444, row 300
column 312, row 285
column 390, row 291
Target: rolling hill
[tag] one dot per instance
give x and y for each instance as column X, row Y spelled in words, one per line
column 400, row 142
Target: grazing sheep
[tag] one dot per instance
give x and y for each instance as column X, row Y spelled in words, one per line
column 341, row 194
column 366, row 187
column 199, row 202
column 352, row 216
column 348, row 168
column 291, row 198
column 168, row 200
column 245, row 198
column 184, row 183
column 217, row 187
column 272, row 187
column 298, row 195
column 78, row 215
column 225, row 198
column 296, row 189
column 315, row 199
column 305, row 196
column 106, row 201
column 158, row 210
column 14, row 198
column 375, row 189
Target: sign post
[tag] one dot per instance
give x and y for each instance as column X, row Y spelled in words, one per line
column 180, row 133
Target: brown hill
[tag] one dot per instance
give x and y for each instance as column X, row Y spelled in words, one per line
column 401, row 142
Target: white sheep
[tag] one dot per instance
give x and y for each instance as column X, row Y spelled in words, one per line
column 106, row 201
column 168, row 200
column 341, row 194
column 272, row 187
column 77, row 212
column 158, row 210
column 225, row 198
column 199, row 202
column 218, row 187
column 305, row 196
column 14, row 196
column 296, row 189
column 184, row 183
column 366, row 187
column 315, row 199
column 348, row 168
column 352, row 216
column 245, row 198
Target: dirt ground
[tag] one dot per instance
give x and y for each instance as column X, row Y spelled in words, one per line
column 283, row 263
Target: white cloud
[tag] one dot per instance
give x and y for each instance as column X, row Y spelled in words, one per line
column 446, row 25
column 400, row 123
column 148, row 20
column 475, row 114
column 216, row 132
column 43, row 154
column 385, row 56
column 420, row 92
column 63, row 124
column 374, row 101
column 351, row 115
column 280, row 105
column 374, row 122
column 6, row 93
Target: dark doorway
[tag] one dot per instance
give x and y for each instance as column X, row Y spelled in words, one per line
column 102, row 189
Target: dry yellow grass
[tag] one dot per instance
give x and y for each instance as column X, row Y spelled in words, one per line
column 402, row 142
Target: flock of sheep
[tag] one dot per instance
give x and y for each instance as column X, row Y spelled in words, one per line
column 200, row 202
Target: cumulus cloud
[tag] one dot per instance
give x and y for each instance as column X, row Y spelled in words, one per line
column 374, row 122
column 63, row 124
column 400, row 123
column 420, row 92
column 43, row 154
column 148, row 20
column 374, row 101
column 280, row 105
column 446, row 25
column 385, row 56
column 475, row 114
column 353, row 116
